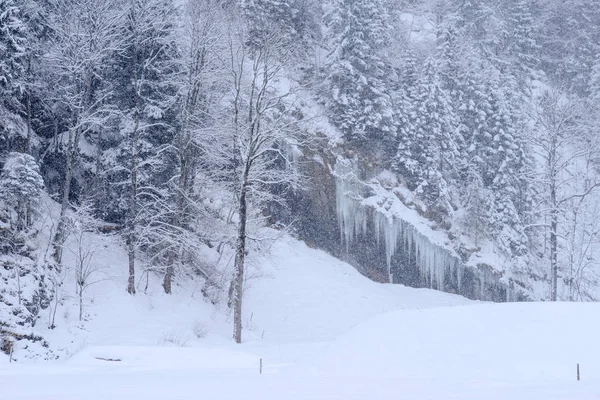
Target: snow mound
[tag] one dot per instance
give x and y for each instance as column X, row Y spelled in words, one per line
column 308, row 295
column 487, row 342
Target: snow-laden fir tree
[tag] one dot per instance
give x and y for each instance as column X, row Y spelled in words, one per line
column 595, row 82
column 293, row 22
column 471, row 17
column 23, row 291
column 21, row 186
column 436, row 140
column 503, row 168
column 431, row 157
column 521, row 39
column 404, row 96
column 570, row 39
column 13, row 49
column 355, row 90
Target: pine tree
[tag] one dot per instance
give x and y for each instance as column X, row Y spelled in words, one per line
column 357, row 98
column 595, row 82
column 21, row 186
column 291, row 22
column 570, row 39
column 404, row 101
column 477, row 201
column 504, row 164
column 431, row 157
column 450, row 66
column 13, row 48
column 522, row 45
column 472, row 19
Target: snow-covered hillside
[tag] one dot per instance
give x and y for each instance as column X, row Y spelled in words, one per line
column 323, row 331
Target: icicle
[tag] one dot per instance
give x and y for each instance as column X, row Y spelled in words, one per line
column 433, row 261
column 352, row 216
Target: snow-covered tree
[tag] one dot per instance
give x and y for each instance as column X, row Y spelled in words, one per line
column 176, row 231
column 262, row 130
column 355, row 91
column 84, row 36
column 477, row 201
column 13, row 48
column 144, row 74
column 570, row 40
column 23, row 284
column 21, row 186
column 595, row 82
column 522, row 41
column 431, row 156
column 559, row 142
column 292, row 21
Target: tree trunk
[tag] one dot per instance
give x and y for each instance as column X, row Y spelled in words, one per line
column 168, row 279
column 554, row 256
column 238, row 284
column 553, row 245
column 131, row 235
column 80, row 304
column 28, row 145
column 60, row 235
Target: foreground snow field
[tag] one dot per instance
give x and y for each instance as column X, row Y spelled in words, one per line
column 322, row 332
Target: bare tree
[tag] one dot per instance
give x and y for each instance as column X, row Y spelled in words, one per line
column 84, row 34
column 262, row 131
column 559, row 141
column 87, row 272
column 203, row 39
column 147, row 69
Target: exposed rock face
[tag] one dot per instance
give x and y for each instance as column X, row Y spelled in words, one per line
column 333, row 216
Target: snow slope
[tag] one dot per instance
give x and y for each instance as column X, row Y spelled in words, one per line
column 322, row 332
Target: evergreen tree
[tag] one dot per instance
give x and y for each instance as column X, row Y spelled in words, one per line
column 505, row 163
column 472, row 18
column 570, row 39
column 357, row 98
column 404, row 101
column 291, row 23
column 595, row 82
column 521, row 40
column 450, row 66
column 21, row 186
column 13, row 48
column 431, row 156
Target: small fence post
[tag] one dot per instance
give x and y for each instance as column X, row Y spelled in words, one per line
column 260, row 367
column 578, row 375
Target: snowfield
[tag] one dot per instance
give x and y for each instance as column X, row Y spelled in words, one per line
column 322, row 331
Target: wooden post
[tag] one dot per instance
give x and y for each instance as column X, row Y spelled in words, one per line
column 260, row 367
column 578, row 375
column 11, row 352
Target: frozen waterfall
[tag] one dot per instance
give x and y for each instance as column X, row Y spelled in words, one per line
column 390, row 230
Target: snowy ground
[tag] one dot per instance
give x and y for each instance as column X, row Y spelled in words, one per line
column 322, row 332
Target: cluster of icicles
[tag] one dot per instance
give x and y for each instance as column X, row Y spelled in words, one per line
column 435, row 263
column 392, row 232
